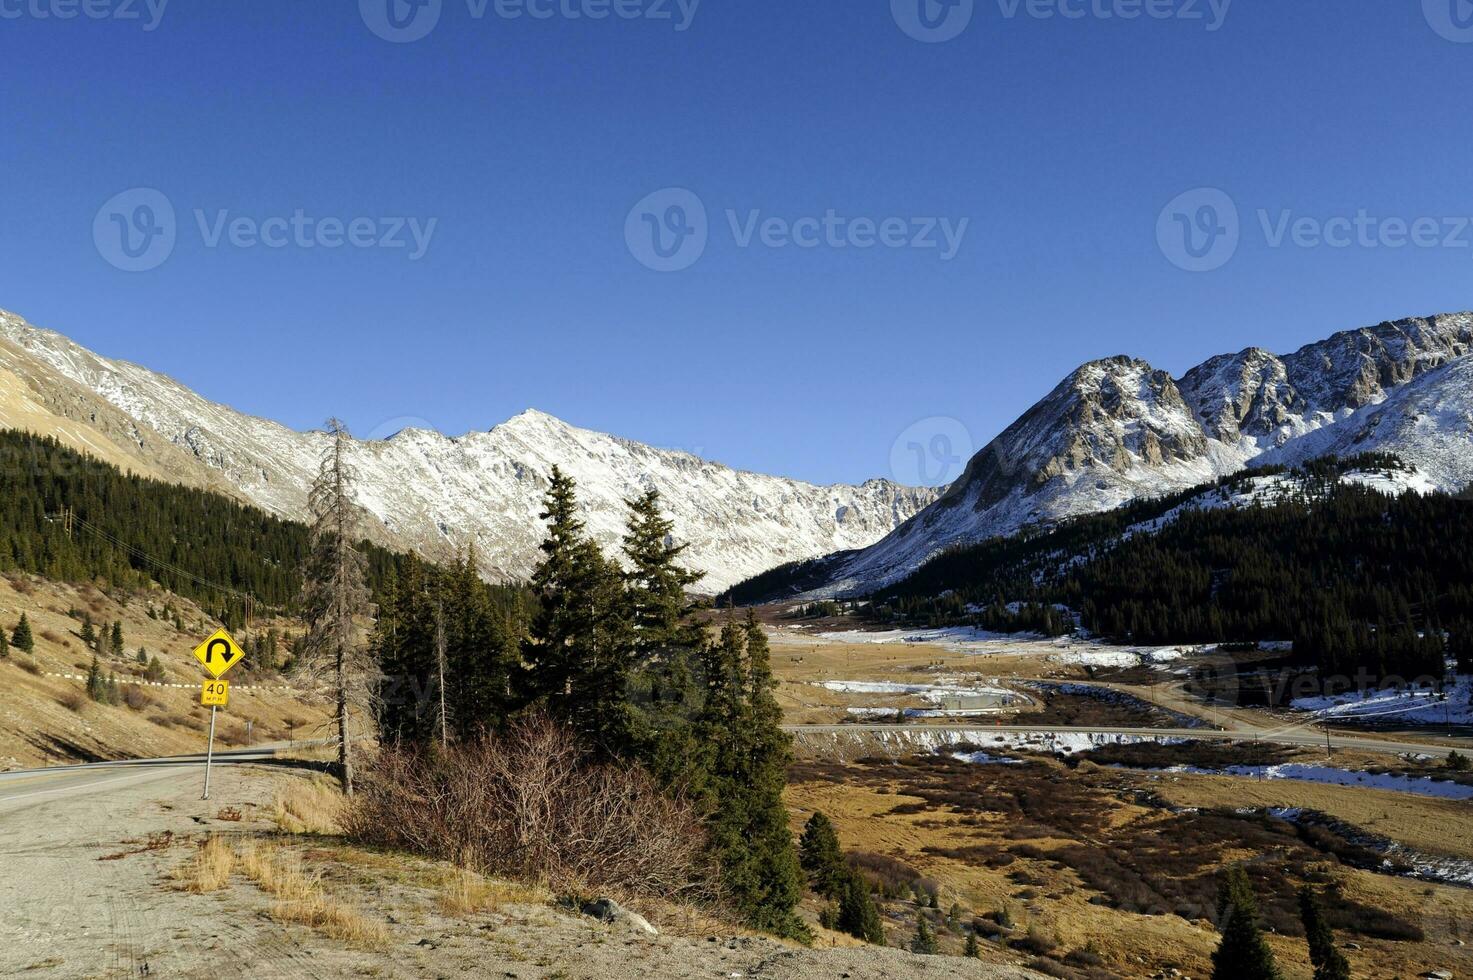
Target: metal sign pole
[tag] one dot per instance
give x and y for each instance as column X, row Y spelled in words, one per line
column 209, row 753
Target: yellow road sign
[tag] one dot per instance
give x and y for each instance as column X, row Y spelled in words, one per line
column 219, row 653
column 215, row 694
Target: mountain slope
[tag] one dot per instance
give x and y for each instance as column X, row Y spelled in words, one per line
column 433, row 493
column 1116, row 430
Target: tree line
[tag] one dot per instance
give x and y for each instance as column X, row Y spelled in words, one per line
column 1359, row 581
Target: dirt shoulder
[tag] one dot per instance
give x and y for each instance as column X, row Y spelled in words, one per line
column 91, row 890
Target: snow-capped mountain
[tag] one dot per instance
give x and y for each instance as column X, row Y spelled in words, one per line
column 1118, row 429
column 430, row 492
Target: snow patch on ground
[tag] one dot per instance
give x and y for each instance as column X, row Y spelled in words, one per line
column 1299, row 772
column 1413, row 704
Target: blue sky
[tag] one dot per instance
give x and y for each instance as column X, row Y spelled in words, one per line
column 529, row 140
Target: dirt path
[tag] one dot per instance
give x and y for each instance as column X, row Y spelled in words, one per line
column 85, row 897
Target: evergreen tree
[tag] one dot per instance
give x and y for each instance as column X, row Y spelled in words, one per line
column 88, row 633
column 21, row 639
column 820, row 856
column 666, row 642
column 1329, row 964
column 96, row 684
column 924, row 941
column 4, row 645
column 142, row 657
column 577, row 653
column 1243, row 954
column 271, row 659
column 749, row 754
column 155, row 671
column 858, row 914
column 117, row 638
column 972, row 949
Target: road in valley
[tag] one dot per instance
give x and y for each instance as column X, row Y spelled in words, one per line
column 1296, row 738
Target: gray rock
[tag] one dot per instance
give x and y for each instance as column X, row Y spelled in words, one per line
column 610, row 911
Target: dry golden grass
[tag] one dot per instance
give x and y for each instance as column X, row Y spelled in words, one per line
column 308, row 807
column 1423, row 823
column 464, row 893
column 209, row 869
column 301, row 899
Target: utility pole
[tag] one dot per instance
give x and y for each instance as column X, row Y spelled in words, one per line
column 210, row 752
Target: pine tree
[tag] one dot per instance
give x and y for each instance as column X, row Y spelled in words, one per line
column 88, row 633
column 666, row 642
column 858, row 915
column 820, row 856
column 142, row 657
column 924, row 941
column 1243, row 954
column 577, row 653
column 271, row 660
column 4, row 645
column 117, row 638
column 972, row 949
column 155, row 671
column 21, row 639
column 96, row 684
column 334, row 595
column 1329, row 964
column 740, row 726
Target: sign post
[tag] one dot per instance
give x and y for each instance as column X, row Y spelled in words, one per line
column 218, row 654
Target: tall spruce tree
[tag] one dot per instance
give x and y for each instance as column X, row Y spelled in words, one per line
column 924, row 941
column 335, row 596
column 858, row 914
column 666, row 641
column 1243, row 954
column 1329, row 964
column 21, row 639
column 820, row 856
column 4, row 645
column 740, row 726
column 578, row 651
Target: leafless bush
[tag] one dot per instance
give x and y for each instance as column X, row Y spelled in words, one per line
column 533, row 807
column 72, row 700
column 136, row 698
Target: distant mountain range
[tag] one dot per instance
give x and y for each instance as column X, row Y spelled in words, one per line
column 1119, row 429
column 425, row 491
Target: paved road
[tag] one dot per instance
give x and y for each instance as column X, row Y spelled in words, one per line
column 21, row 788
column 1299, row 738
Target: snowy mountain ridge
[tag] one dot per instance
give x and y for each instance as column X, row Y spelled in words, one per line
column 1118, row 429
column 434, row 493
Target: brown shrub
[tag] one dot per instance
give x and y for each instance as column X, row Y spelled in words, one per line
column 29, row 666
column 533, row 807
column 135, row 697
column 72, row 699
column 50, row 636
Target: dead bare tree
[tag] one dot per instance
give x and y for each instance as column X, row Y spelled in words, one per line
column 334, row 595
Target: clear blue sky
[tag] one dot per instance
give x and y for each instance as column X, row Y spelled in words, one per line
column 529, row 141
